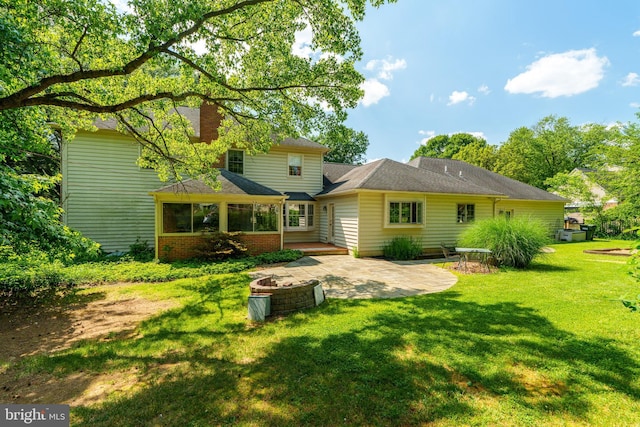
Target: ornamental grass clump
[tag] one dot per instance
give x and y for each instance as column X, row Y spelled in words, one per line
column 514, row 242
column 402, row 248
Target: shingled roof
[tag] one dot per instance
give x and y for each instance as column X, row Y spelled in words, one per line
column 466, row 173
column 231, row 183
column 333, row 171
column 389, row 175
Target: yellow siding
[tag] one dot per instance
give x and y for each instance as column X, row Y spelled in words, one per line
column 346, row 222
column 271, row 170
column 551, row 213
column 440, row 220
column 105, row 194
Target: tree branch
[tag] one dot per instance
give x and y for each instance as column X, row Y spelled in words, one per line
column 23, row 97
column 90, row 106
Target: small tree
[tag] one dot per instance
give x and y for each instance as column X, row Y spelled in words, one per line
column 514, row 242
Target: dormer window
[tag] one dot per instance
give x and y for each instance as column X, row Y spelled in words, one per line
column 295, row 164
column 235, row 161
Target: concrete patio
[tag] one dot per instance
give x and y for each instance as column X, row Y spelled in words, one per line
column 343, row 276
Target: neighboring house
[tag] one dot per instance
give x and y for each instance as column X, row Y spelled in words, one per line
column 600, row 195
column 287, row 195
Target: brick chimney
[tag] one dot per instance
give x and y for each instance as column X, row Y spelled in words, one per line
column 210, row 119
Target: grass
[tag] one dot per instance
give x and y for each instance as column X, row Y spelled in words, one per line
column 551, row 345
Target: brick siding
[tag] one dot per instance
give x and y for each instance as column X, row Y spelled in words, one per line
column 183, row 247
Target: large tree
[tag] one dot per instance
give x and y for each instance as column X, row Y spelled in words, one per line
column 553, row 145
column 446, row 146
column 346, row 145
column 74, row 60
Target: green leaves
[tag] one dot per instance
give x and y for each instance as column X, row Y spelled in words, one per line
column 80, row 58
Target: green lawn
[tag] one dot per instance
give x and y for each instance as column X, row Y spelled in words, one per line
column 552, row 345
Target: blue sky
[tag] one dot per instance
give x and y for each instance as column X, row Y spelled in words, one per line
column 488, row 67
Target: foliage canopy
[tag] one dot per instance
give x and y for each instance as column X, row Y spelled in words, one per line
column 71, row 61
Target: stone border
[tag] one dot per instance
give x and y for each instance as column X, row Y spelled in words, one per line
column 287, row 297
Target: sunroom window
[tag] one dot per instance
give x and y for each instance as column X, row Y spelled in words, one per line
column 248, row 217
column 190, row 217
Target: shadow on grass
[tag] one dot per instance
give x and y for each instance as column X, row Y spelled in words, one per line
column 412, row 361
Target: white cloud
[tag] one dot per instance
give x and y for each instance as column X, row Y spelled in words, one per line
column 484, row 89
column 302, row 43
column 636, row 33
column 635, row 105
column 632, row 79
column 562, row 74
column 385, row 67
column 476, row 134
column 457, row 97
column 432, row 98
column 374, row 91
column 428, row 134
column 122, row 6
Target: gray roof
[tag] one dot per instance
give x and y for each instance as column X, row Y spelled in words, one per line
column 302, row 143
column 193, row 116
column 231, row 183
column 333, row 171
column 467, row 174
column 299, row 196
column 390, row 175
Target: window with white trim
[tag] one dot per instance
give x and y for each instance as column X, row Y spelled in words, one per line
column 466, row 213
column 295, row 164
column 298, row 216
column 410, row 213
column 235, row 161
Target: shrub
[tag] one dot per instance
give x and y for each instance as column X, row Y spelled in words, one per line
column 29, row 274
column 141, row 251
column 402, row 248
column 286, row 255
column 514, row 242
column 221, row 245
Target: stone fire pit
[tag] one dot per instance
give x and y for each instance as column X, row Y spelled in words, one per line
column 287, row 297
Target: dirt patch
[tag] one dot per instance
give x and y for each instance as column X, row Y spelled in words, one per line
column 471, row 267
column 612, row 251
column 43, row 330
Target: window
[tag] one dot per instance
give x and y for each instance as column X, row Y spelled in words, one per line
column 466, row 213
column 190, row 217
column 405, row 212
column 298, row 216
column 295, row 164
column 507, row 214
column 252, row 217
column 235, row 161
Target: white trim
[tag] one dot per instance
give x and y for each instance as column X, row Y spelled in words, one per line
column 301, row 165
column 244, row 164
column 388, row 199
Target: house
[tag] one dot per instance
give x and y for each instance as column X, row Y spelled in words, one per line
column 599, row 195
column 285, row 196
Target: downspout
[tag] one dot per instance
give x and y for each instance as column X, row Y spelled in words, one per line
column 281, row 225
